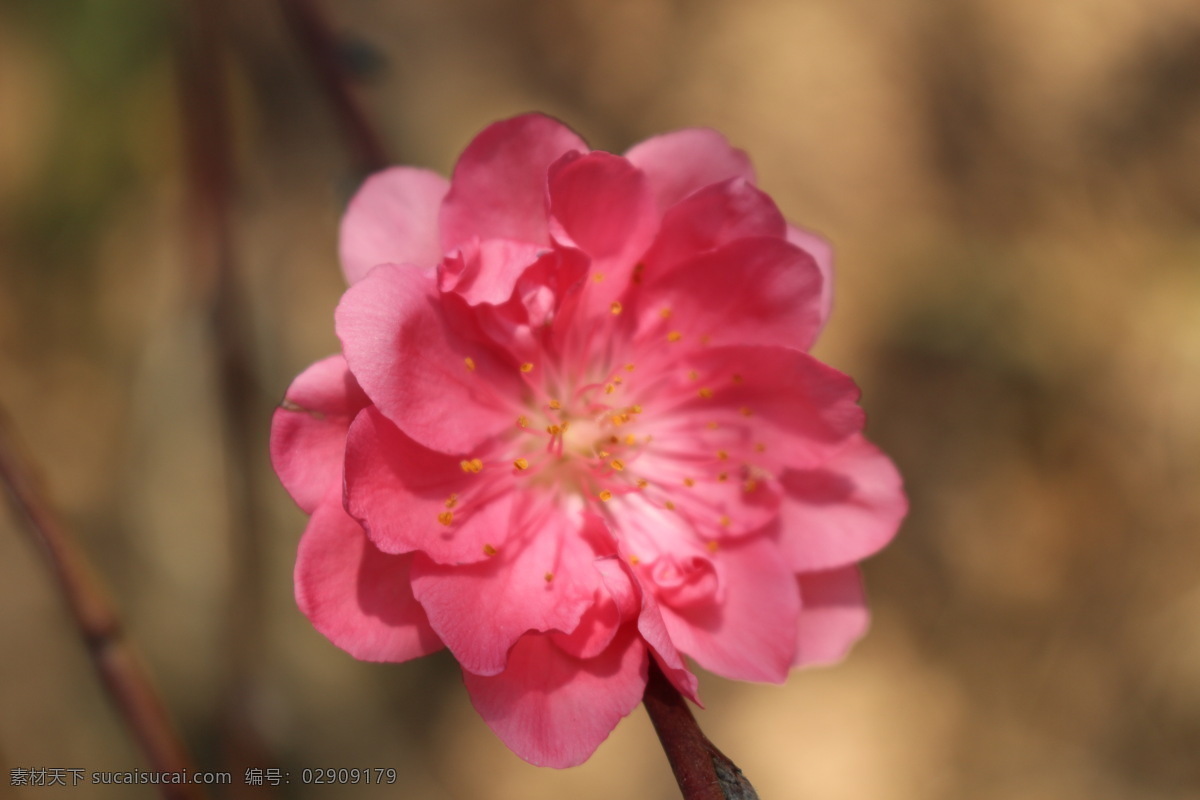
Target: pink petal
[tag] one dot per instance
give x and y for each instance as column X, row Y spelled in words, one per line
column 400, row 491
column 308, row 430
column 795, row 410
column 393, row 219
column 618, row 602
column 843, row 511
column 487, row 271
column 418, row 365
column 554, row 710
column 653, row 629
column 750, row 633
column 822, row 253
column 498, row 190
column 833, row 616
column 714, row 216
column 600, row 203
column 681, row 162
column 542, row 578
column 357, row 596
column 750, row 291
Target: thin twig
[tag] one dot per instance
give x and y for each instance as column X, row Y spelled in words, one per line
column 702, row 771
column 208, row 144
column 121, row 669
column 317, row 41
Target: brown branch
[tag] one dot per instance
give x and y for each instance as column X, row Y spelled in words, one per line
column 207, row 131
column 121, row 669
column 317, row 41
column 702, row 771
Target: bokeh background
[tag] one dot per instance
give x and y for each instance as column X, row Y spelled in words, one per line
column 1013, row 189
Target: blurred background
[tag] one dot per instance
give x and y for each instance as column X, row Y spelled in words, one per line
column 1013, row 191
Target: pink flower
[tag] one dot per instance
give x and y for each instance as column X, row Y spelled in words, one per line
column 576, row 426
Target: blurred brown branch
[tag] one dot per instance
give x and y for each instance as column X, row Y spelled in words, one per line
column 117, row 661
column 702, row 771
column 316, row 40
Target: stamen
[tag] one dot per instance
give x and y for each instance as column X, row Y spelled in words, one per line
column 712, row 426
column 760, row 448
column 630, row 367
column 725, row 522
column 693, row 375
column 616, row 307
column 634, row 560
column 474, row 465
column 522, row 421
column 598, row 277
column 688, row 482
column 554, row 430
column 549, row 577
column 673, row 336
column 605, row 495
column 527, row 367
column 745, row 411
column 446, row 517
column 452, row 501
column 489, row 551
column 713, row 545
column 521, row 464
column 642, row 483
column 722, row 455
column 470, row 362
column 723, row 476
column 669, row 506
column 554, row 404
column 617, row 464
column 750, row 485
column 737, row 378
column 630, row 439
column 706, row 393
column 665, row 313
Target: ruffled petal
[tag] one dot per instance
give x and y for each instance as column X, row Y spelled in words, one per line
column 750, row 291
column 392, row 219
column 840, row 512
column 543, row 578
column 749, row 632
column 833, row 616
column 600, row 204
column 711, row 217
column 357, row 596
column 554, row 710
column 498, row 190
column 822, row 253
column 681, row 162
column 308, row 430
column 486, row 271
column 419, row 366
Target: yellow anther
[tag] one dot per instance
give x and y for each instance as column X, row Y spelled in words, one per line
column 554, row 404
column 474, row 465
column 630, row 367
column 521, row 463
column 669, row 506
column 598, row 277
column 616, row 307
column 712, row 426
column 452, row 501
column 722, row 455
column 549, row 576
column 725, row 522
column 723, row 476
column 554, row 430
column 674, row 336
column 688, row 482
column 617, row 464
column 750, row 485
column 635, row 409
column 665, row 313
column 446, row 517
column 642, row 483
column 609, row 389
column 737, row 378
column 630, row 439
column 470, row 362
column 522, row 421
column 605, row 495
column 634, row 560
column 489, row 551
column 527, row 367
column 603, row 454
column 693, row 375
column 566, row 424
column 618, row 380
column 705, row 393
column 713, row 545
column 760, row 448
column 745, row 411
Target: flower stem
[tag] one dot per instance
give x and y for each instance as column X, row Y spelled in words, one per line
column 702, row 771
column 120, row 667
